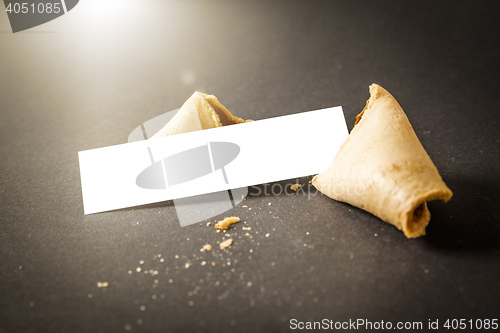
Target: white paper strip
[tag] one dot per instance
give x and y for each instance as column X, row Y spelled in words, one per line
column 270, row 150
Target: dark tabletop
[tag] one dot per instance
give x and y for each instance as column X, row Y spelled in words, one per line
column 88, row 78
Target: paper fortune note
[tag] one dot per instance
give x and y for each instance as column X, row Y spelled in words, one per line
column 211, row 160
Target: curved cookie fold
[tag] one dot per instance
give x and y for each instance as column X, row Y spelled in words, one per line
column 383, row 168
column 199, row 112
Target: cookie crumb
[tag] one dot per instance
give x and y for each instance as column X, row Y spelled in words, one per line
column 224, row 224
column 247, row 228
column 294, row 187
column 102, row 284
column 206, row 247
column 226, row 243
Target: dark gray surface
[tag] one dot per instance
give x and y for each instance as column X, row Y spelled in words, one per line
column 88, row 78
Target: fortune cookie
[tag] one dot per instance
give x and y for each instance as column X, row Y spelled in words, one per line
column 382, row 168
column 199, row 112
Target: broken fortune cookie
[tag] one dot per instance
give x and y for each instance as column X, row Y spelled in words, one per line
column 199, row 112
column 382, row 168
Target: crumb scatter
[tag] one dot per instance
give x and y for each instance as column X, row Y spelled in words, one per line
column 102, row 284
